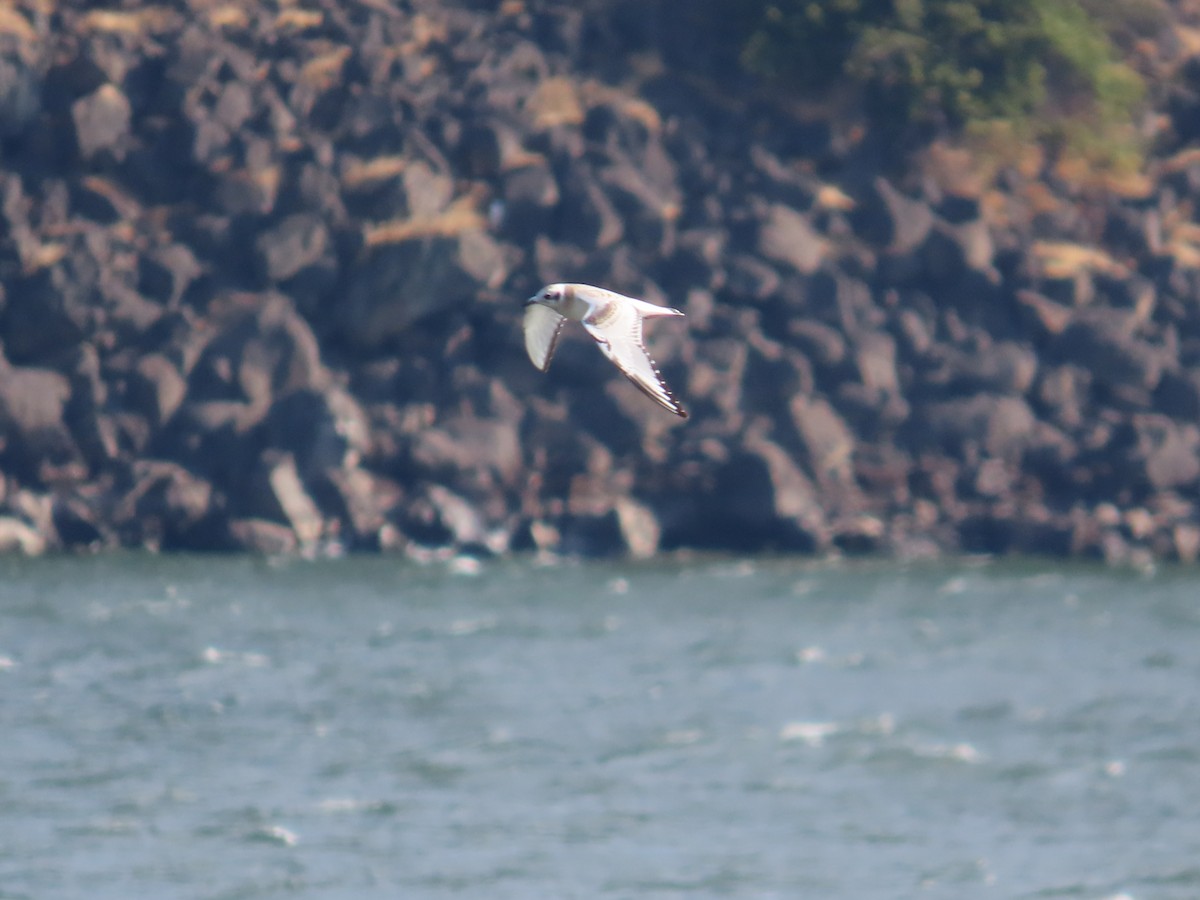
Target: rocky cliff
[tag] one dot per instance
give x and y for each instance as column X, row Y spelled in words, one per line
column 261, row 268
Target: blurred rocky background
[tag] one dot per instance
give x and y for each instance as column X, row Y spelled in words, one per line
column 262, row 264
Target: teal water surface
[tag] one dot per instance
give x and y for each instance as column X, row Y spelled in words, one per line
column 232, row 728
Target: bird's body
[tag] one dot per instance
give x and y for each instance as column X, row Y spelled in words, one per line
column 612, row 319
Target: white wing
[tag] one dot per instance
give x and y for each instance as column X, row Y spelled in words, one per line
column 619, row 334
column 542, row 327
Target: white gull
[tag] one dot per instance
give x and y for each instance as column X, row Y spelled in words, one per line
column 614, row 320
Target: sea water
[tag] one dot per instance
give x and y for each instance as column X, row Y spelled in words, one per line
column 211, row 727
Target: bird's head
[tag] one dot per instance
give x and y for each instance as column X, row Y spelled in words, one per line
column 551, row 295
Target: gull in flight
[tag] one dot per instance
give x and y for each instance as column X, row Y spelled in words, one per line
column 613, row 319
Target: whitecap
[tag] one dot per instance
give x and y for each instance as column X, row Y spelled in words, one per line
column 461, row 627
column 276, row 834
column 811, row 733
column 809, row 655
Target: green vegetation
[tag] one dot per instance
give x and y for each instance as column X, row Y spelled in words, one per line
column 1048, row 69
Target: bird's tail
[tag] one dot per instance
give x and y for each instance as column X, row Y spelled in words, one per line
column 649, row 310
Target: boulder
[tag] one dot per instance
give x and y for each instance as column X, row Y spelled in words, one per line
column 168, row 507
column 20, row 81
column 950, row 251
column 296, row 243
column 275, row 492
column 788, row 237
column 758, row 499
column 529, row 198
column 462, row 446
column 51, row 306
column 263, row 348
column 165, row 273
column 1103, row 342
column 1001, row 367
column 826, row 439
column 402, row 282
column 155, row 388
column 102, row 121
column 892, row 220
column 1064, row 391
column 79, row 524
column 647, row 210
column 586, row 216
column 1178, row 394
column 1164, row 454
column 17, row 536
column 640, row 531
column 34, row 438
column 591, row 534
column 263, row 537
column 1001, row 426
column 361, row 502
column 325, row 429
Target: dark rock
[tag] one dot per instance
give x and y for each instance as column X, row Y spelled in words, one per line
column 648, row 212
column 586, row 216
column 485, row 148
column 296, row 243
column 860, row 535
column 35, row 441
column 696, row 260
column 247, row 191
column 716, row 377
column 759, row 500
column 78, row 525
column 529, row 196
column 883, row 471
column 156, row 388
column 275, row 492
column 263, row 537
column 17, row 536
column 53, row 307
column 214, row 437
column 1165, row 454
column 1178, row 394
column 1064, row 392
column 1000, row 533
column 827, row 441
column 950, row 251
column 787, row 237
column 1004, row 367
column 915, row 333
column 443, row 517
column 264, row 349
column 465, row 445
column 748, row 279
column 1051, row 459
column 362, row 501
column 594, row 535
column 325, row 430
column 102, row 122
column 20, row 84
column 1102, row 341
column 166, row 273
column 889, row 219
column 824, row 345
column 168, row 507
column 403, row 282
column 1001, row 426
column 875, row 359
